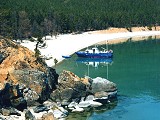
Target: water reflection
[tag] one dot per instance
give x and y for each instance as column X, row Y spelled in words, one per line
column 95, row 62
column 98, row 65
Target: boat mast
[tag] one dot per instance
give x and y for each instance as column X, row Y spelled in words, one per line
column 107, row 71
column 88, row 69
column 107, row 63
column 107, row 45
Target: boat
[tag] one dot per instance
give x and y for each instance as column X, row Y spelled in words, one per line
column 95, row 53
column 66, row 56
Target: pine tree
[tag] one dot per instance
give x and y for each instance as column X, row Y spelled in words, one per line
column 24, row 25
column 14, row 22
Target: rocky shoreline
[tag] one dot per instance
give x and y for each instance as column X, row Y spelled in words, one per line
column 30, row 90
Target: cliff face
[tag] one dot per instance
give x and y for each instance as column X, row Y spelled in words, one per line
column 15, row 57
column 24, row 79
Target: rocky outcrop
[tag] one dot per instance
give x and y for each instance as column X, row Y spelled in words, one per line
column 70, row 87
column 24, row 79
column 78, row 93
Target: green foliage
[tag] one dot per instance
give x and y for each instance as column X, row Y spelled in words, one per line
column 20, row 18
column 39, row 40
column 36, row 50
column 37, row 53
column 150, row 27
column 31, row 39
column 55, row 61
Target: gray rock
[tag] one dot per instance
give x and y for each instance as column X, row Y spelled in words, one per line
column 70, row 87
column 22, row 87
column 31, row 95
column 29, row 115
column 36, row 85
column 78, row 109
column 19, row 103
column 59, row 114
column 72, row 104
column 25, row 90
column 84, row 104
column 101, row 94
column 2, row 118
column 12, row 96
column 89, row 97
column 95, row 104
column 89, row 103
column 100, row 84
column 5, row 112
column 52, row 78
column 64, row 111
column 55, row 95
column 64, row 102
column 49, row 104
column 48, row 116
column 10, row 111
column 40, row 108
column 66, row 94
column 112, row 94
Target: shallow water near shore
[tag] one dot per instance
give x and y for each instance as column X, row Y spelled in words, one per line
column 135, row 68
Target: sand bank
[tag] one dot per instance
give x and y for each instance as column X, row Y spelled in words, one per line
column 67, row 44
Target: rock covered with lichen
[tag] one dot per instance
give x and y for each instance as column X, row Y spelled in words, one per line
column 24, row 79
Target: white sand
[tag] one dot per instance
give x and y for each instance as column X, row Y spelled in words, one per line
column 67, row 44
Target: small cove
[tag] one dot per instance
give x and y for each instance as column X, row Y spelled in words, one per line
column 135, row 70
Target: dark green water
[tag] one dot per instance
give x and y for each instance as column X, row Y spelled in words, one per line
column 136, row 71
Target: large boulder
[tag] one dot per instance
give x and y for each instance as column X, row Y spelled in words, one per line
column 101, row 84
column 70, row 87
column 103, row 89
column 24, row 78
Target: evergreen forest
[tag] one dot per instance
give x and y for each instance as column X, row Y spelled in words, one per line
column 21, row 19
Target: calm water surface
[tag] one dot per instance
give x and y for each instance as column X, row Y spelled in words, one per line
column 135, row 69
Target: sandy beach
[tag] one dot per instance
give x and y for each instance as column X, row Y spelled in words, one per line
column 67, row 44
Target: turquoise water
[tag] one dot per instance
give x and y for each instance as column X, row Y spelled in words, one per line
column 135, row 69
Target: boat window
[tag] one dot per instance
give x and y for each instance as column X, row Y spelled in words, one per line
column 93, row 50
